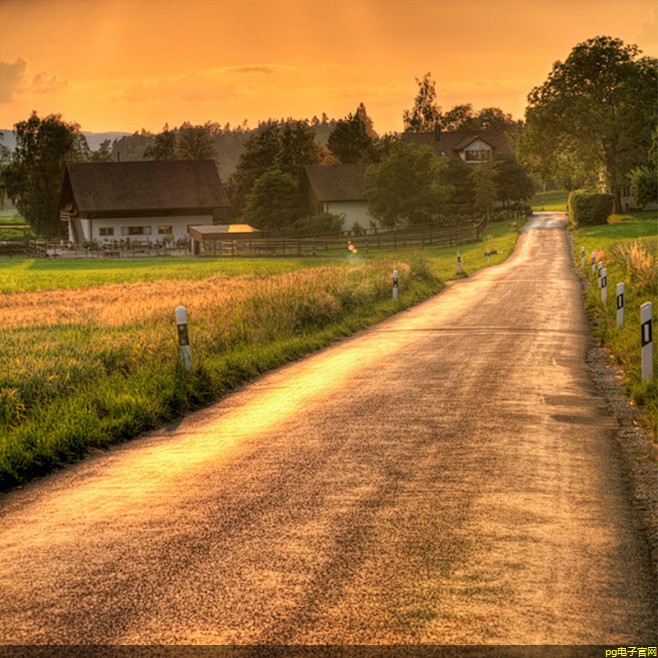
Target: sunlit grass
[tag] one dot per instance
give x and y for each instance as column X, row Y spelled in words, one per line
column 86, row 365
column 628, row 247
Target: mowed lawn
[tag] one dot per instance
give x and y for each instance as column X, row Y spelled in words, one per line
column 90, row 354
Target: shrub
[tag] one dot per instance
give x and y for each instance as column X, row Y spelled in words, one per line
column 589, row 209
column 324, row 223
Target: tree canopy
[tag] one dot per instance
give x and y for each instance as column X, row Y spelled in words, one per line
column 351, row 140
column 33, row 176
column 425, row 113
column 593, row 116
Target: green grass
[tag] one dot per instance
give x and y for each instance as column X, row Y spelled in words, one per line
column 552, row 200
column 69, row 386
column 628, row 247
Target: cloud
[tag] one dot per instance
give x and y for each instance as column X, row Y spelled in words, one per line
column 45, row 83
column 12, row 77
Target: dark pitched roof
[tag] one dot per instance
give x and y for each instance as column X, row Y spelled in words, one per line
column 451, row 143
column 341, row 182
column 146, row 186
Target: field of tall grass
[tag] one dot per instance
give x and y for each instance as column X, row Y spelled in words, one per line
column 628, row 247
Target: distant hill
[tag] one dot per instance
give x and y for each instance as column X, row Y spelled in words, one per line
column 93, row 139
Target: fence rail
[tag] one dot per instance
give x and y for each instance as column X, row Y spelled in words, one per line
column 459, row 231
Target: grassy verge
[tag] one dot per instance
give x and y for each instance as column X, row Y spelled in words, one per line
column 628, row 246
column 552, row 200
column 87, row 367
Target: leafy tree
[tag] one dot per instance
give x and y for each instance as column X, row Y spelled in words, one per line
column 350, row 140
column 594, row 114
column 484, row 186
column 457, row 174
column 324, row 223
column 104, row 152
column 644, row 179
column 513, row 184
column 406, row 186
column 4, row 159
column 274, row 203
column 297, row 148
column 258, row 156
column 425, row 114
column 163, row 146
column 33, row 177
column 196, row 143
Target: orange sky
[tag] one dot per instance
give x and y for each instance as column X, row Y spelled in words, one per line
column 128, row 64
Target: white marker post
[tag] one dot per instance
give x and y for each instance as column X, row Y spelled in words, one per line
column 460, row 269
column 600, row 270
column 183, row 338
column 395, row 284
column 593, row 261
column 620, row 305
column 604, row 285
column 646, row 319
column 582, row 257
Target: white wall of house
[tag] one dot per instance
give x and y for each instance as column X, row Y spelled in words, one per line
column 477, row 151
column 354, row 211
column 141, row 229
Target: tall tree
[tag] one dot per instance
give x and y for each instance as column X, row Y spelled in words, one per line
column 594, row 114
column 297, row 148
column 196, row 143
column 350, row 140
column 274, row 203
column 33, row 177
column 406, row 187
column 484, row 186
column 425, row 114
column 163, row 146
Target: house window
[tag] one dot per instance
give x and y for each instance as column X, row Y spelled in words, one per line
column 135, row 230
column 478, row 156
column 106, row 231
column 625, row 191
column 165, row 230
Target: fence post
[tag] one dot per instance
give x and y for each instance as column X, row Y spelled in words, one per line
column 460, row 269
column 646, row 320
column 395, row 284
column 593, row 261
column 604, row 285
column 183, row 338
column 600, row 269
column 620, row 305
column 582, row 257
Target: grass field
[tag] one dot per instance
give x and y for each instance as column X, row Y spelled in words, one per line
column 628, row 247
column 89, row 347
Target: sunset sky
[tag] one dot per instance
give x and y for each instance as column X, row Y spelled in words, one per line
column 125, row 65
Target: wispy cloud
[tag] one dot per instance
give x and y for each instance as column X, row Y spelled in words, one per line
column 12, row 76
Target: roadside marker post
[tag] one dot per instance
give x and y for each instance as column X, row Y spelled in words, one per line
column 620, row 305
column 646, row 320
column 593, row 261
column 183, row 338
column 604, row 285
column 582, row 257
column 395, row 284
column 460, row 269
column 600, row 270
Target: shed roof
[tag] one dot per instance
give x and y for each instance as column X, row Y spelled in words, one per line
column 222, row 231
column 145, row 186
column 341, row 182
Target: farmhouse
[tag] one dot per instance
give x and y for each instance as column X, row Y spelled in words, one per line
column 338, row 189
column 144, row 202
column 470, row 146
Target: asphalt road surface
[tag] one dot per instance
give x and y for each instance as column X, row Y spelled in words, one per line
column 449, row 476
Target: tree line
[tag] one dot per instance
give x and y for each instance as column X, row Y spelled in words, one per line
column 591, row 124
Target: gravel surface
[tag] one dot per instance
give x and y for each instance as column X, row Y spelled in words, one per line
column 450, row 476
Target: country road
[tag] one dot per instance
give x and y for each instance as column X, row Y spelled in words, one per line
column 449, row 476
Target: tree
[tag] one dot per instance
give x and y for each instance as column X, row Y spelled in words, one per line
column 33, row 177
column 196, row 143
column 297, row 148
column 163, row 146
column 513, row 184
column 104, row 152
column 274, row 203
column 594, row 114
column 4, row 159
column 484, row 186
column 425, row 114
column 406, row 186
column 644, row 179
column 350, row 140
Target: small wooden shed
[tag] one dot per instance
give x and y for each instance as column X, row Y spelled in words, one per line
column 221, row 238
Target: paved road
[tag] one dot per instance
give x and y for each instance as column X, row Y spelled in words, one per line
column 449, row 476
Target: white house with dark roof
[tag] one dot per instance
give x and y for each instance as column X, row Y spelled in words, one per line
column 471, row 147
column 144, row 202
column 339, row 189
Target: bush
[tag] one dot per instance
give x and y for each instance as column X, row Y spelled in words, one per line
column 589, row 209
column 324, row 223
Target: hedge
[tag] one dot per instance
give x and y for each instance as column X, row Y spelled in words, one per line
column 589, row 209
